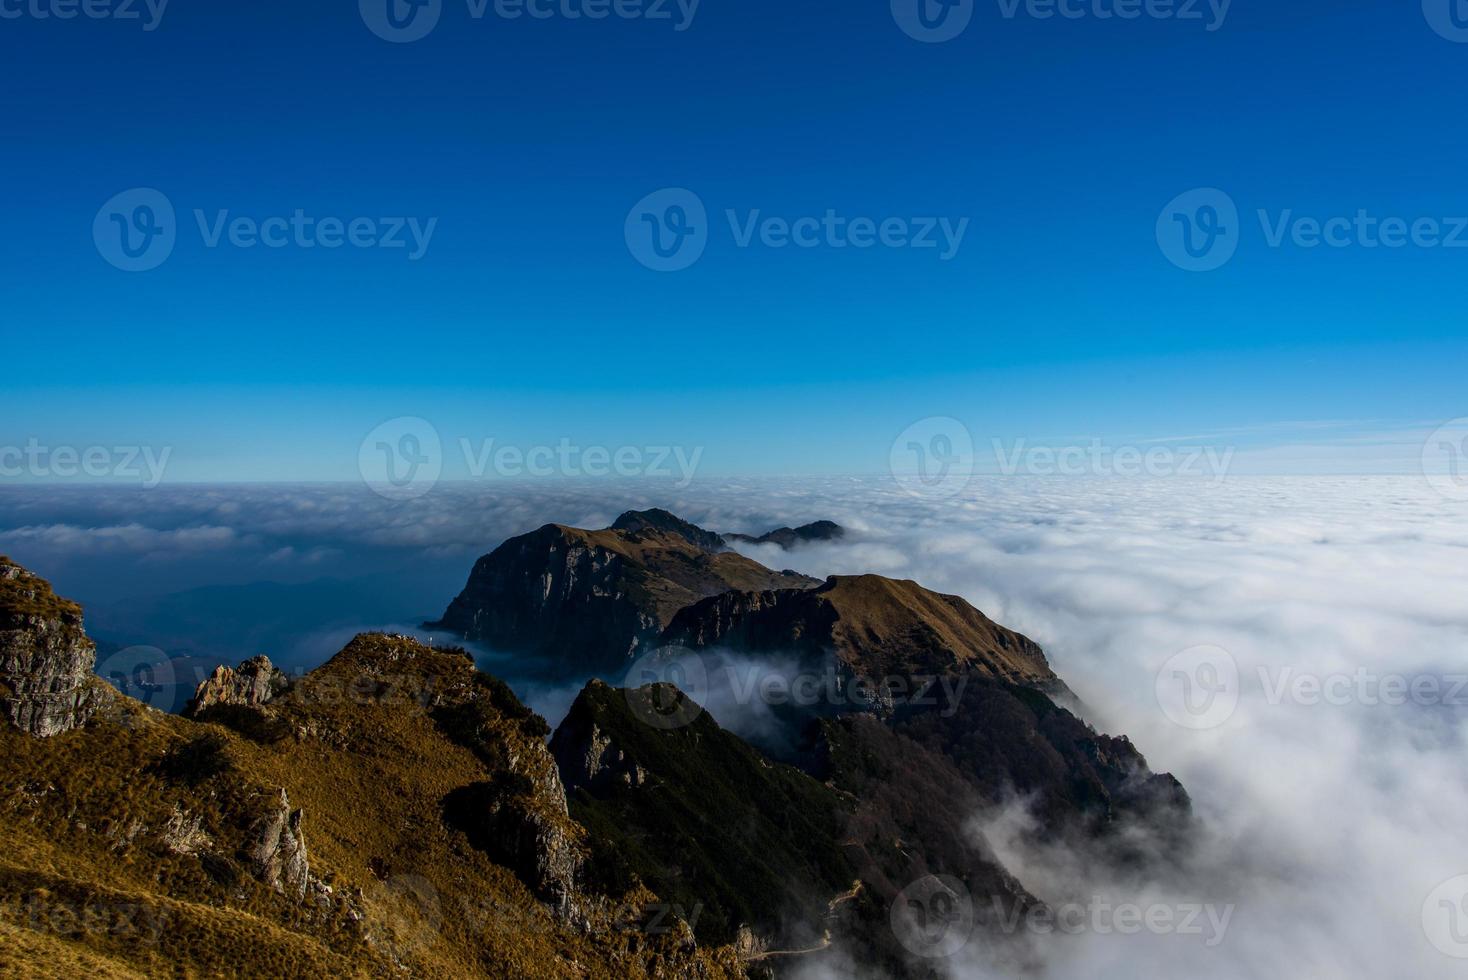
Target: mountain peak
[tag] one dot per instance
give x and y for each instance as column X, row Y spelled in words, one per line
column 657, row 519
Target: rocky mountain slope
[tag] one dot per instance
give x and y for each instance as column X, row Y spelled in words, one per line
column 46, row 680
column 398, row 812
column 592, row 601
column 877, row 627
column 392, row 813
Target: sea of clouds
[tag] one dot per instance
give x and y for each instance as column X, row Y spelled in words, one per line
column 1326, row 821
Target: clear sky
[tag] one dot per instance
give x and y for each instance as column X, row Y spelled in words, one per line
column 529, row 319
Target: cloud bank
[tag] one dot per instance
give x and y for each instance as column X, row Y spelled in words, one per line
column 1328, row 819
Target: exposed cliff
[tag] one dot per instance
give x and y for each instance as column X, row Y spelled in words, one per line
column 592, row 601
column 46, row 682
column 878, row 627
column 439, row 838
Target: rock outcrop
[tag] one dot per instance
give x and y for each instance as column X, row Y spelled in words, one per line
column 722, row 834
column 46, row 660
column 252, row 685
column 591, row 602
column 277, row 852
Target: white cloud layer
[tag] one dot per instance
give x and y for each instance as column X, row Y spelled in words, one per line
column 1326, row 825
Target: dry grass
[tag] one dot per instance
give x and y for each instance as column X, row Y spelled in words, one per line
column 86, row 814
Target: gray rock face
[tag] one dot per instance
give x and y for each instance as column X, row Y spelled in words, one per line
column 253, row 684
column 46, row 681
column 590, row 759
column 277, row 852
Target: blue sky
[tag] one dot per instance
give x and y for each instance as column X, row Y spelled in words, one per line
column 529, row 320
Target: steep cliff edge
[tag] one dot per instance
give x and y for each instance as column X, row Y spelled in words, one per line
column 46, row 682
column 399, row 815
column 592, row 601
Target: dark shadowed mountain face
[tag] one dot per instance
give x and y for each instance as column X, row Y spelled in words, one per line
column 394, row 812
column 878, row 627
column 589, row 602
column 703, row 818
column 411, row 773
